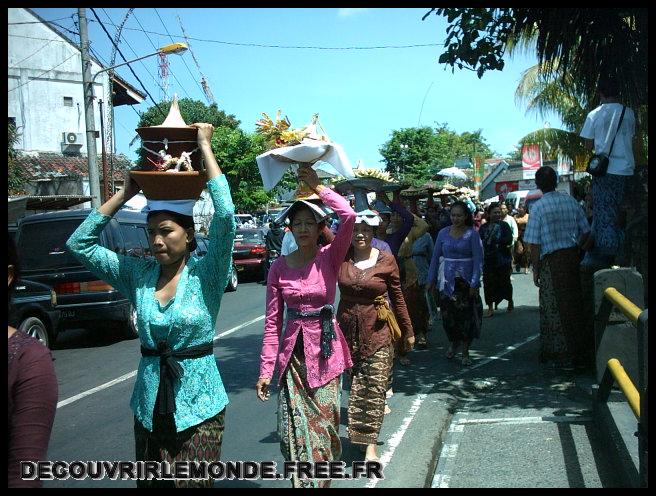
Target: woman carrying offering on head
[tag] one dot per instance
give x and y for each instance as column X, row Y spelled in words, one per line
column 179, row 399
column 370, row 327
column 312, row 353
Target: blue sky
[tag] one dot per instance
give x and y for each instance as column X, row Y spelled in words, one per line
column 360, row 95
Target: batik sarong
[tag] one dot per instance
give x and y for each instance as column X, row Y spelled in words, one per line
column 561, row 304
column 308, row 418
column 366, row 407
column 201, row 442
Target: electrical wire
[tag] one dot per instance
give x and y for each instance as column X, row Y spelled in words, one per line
column 125, row 60
column 299, row 47
column 137, row 55
column 44, row 72
column 155, row 47
column 183, row 60
column 30, row 55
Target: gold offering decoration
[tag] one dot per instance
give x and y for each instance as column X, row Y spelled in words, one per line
column 279, row 133
column 376, row 173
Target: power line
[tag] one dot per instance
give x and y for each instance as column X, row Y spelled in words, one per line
column 125, row 60
column 155, row 47
column 30, row 55
column 301, row 47
column 183, row 60
column 136, row 54
column 40, row 22
column 203, row 79
column 44, row 72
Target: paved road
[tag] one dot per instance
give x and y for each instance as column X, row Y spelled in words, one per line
column 427, row 395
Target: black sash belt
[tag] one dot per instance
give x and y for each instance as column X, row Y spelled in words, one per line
column 326, row 314
column 170, row 370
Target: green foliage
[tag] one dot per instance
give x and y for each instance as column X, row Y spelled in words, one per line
column 16, row 176
column 580, row 43
column 415, row 154
column 235, row 151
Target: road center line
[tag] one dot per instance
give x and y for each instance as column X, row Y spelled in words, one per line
column 395, row 439
column 129, row 375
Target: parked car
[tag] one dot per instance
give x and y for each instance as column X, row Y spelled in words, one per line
column 82, row 299
column 245, row 221
column 34, row 310
column 201, row 250
column 249, row 253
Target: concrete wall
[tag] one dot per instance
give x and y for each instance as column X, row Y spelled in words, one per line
column 43, row 68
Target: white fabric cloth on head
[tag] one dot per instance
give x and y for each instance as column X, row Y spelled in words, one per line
column 369, row 217
column 184, row 207
column 272, row 168
column 319, row 212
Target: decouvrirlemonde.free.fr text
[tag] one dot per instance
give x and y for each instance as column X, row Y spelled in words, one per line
column 229, row 470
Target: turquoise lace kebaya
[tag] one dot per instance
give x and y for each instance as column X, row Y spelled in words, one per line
column 187, row 320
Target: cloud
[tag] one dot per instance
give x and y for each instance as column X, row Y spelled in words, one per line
column 349, row 12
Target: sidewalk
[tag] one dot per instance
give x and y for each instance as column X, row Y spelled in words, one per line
column 506, row 421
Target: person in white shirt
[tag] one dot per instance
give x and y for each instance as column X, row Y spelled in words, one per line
column 510, row 220
column 608, row 191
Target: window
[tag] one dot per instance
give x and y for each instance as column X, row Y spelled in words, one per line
column 135, row 241
column 68, row 101
column 42, row 245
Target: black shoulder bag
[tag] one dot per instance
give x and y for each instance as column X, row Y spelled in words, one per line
column 598, row 164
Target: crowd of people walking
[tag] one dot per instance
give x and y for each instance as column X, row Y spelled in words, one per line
column 396, row 271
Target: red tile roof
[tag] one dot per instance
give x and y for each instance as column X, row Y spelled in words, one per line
column 45, row 165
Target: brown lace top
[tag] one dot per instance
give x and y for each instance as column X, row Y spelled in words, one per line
column 357, row 314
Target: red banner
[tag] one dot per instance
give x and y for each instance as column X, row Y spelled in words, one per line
column 505, row 187
column 531, row 160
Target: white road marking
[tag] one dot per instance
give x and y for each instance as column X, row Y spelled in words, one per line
column 129, row 375
column 526, row 420
column 395, row 439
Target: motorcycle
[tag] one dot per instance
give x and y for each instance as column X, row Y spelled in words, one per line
column 271, row 257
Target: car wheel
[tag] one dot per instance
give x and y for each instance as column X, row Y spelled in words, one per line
column 131, row 329
column 233, row 281
column 33, row 326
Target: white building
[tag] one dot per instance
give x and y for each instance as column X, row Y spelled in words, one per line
column 46, row 98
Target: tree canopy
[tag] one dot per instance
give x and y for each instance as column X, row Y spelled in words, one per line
column 581, row 43
column 417, row 153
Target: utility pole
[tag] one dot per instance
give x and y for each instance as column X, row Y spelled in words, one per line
column 87, row 84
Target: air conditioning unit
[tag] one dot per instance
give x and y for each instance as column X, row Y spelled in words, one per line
column 71, row 142
column 72, row 138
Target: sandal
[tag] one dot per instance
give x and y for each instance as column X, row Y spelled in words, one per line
column 490, row 313
column 466, row 361
column 405, row 361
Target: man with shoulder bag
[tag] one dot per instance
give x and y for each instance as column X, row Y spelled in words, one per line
column 608, row 131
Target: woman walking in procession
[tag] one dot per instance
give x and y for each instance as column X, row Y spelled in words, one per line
column 521, row 251
column 370, row 326
column 497, row 240
column 313, row 352
column 178, row 400
column 456, row 270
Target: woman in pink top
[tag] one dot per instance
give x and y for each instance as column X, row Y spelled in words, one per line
column 313, row 352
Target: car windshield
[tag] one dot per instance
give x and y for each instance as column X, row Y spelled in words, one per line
column 249, row 237
column 42, row 245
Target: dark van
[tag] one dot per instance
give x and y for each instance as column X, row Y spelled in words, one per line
column 82, row 299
